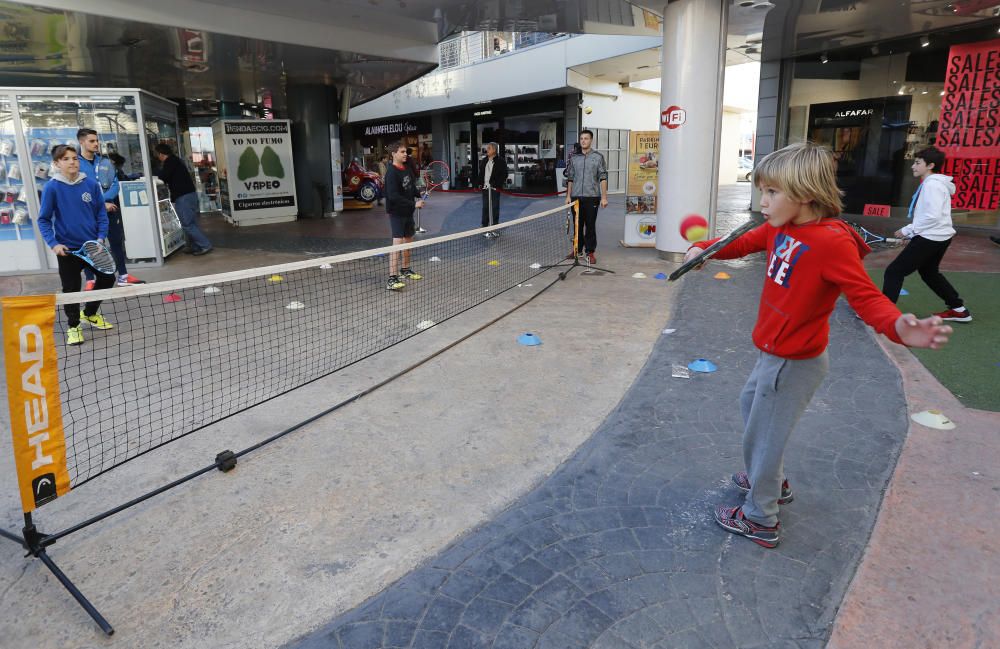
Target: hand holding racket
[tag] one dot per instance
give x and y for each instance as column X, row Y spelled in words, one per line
column 701, row 256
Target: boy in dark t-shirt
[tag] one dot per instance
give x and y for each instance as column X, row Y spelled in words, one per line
column 401, row 199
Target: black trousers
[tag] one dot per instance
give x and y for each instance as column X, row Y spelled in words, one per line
column 923, row 256
column 587, row 224
column 69, row 273
column 491, row 207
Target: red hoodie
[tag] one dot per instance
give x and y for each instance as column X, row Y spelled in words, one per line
column 808, row 267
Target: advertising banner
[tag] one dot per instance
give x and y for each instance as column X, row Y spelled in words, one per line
column 547, row 141
column 641, row 188
column 33, row 396
column 969, row 128
column 256, row 176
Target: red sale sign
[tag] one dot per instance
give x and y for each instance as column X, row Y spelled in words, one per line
column 969, row 128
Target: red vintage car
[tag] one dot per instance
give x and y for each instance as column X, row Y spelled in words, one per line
column 360, row 183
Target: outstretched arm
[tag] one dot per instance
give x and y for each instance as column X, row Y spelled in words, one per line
column 929, row 332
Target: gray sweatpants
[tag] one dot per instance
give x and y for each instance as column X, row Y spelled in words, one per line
column 775, row 396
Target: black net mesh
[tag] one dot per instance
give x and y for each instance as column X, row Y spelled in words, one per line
column 189, row 353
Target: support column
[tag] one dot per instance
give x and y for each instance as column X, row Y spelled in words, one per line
column 694, row 60
column 312, row 109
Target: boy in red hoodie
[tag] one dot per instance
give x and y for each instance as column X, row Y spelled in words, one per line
column 812, row 257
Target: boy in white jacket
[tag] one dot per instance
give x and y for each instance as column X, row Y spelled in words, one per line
column 930, row 235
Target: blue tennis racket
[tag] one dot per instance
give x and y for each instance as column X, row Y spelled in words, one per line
column 97, row 257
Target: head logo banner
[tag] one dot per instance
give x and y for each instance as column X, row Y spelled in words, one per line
column 33, row 395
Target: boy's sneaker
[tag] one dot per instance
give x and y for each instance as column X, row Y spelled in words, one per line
column 733, row 520
column 591, row 259
column 97, row 321
column 125, row 280
column 956, row 315
column 74, row 335
column 394, row 283
column 89, row 286
column 407, row 273
column 742, row 480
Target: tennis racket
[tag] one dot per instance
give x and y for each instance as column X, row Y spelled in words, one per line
column 97, row 257
column 710, row 251
column 435, row 174
column 875, row 241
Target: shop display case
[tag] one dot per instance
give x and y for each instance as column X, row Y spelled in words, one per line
column 129, row 122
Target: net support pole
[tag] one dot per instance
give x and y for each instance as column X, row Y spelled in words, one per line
column 33, row 542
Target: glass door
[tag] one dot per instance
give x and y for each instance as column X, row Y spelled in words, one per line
column 462, row 175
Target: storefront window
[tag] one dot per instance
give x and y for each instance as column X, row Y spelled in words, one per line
column 18, row 239
column 613, row 145
column 877, row 107
column 206, row 173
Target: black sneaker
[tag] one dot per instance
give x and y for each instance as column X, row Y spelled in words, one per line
column 742, row 480
column 394, row 283
column 733, row 520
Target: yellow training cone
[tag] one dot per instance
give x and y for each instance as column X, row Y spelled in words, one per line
column 275, row 278
column 493, row 262
column 721, row 275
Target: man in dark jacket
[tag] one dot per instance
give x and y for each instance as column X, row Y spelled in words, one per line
column 493, row 172
column 183, row 196
column 401, row 199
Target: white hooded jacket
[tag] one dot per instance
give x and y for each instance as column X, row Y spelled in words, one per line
column 932, row 211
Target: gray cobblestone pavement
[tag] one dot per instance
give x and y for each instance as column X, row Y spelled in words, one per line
column 618, row 550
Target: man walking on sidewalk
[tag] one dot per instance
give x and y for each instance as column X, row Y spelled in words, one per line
column 184, row 197
column 493, row 173
column 587, row 181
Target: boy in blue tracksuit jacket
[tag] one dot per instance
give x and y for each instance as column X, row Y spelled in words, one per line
column 73, row 212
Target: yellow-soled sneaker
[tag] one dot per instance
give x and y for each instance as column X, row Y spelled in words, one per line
column 407, row 273
column 96, row 321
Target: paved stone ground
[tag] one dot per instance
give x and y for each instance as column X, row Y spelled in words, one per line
column 618, row 550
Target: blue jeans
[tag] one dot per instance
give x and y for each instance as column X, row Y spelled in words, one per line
column 187, row 212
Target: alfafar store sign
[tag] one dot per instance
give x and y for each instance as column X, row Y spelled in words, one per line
column 256, row 177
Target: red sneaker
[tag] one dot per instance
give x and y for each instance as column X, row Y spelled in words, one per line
column 125, row 280
column 955, row 316
column 591, row 259
column 89, row 286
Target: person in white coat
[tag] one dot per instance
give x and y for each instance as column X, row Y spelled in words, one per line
column 930, row 234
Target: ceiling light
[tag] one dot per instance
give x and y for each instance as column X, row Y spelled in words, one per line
column 874, row 50
column 823, row 58
column 942, row 93
column 763, row 4
column 923, row 91
column 925, row 41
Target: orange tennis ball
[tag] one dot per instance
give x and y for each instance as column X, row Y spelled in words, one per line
column 694, row 227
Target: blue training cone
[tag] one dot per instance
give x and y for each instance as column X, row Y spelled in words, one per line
column 903, row 291
column 660, row 276
column 529, row 340
column 702, row 365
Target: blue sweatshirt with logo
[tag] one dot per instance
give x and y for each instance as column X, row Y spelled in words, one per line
column 72, row 211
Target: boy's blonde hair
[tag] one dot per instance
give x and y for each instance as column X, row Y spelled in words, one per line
column 806, row 172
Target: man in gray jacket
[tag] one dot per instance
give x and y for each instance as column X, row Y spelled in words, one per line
column 587, row 181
